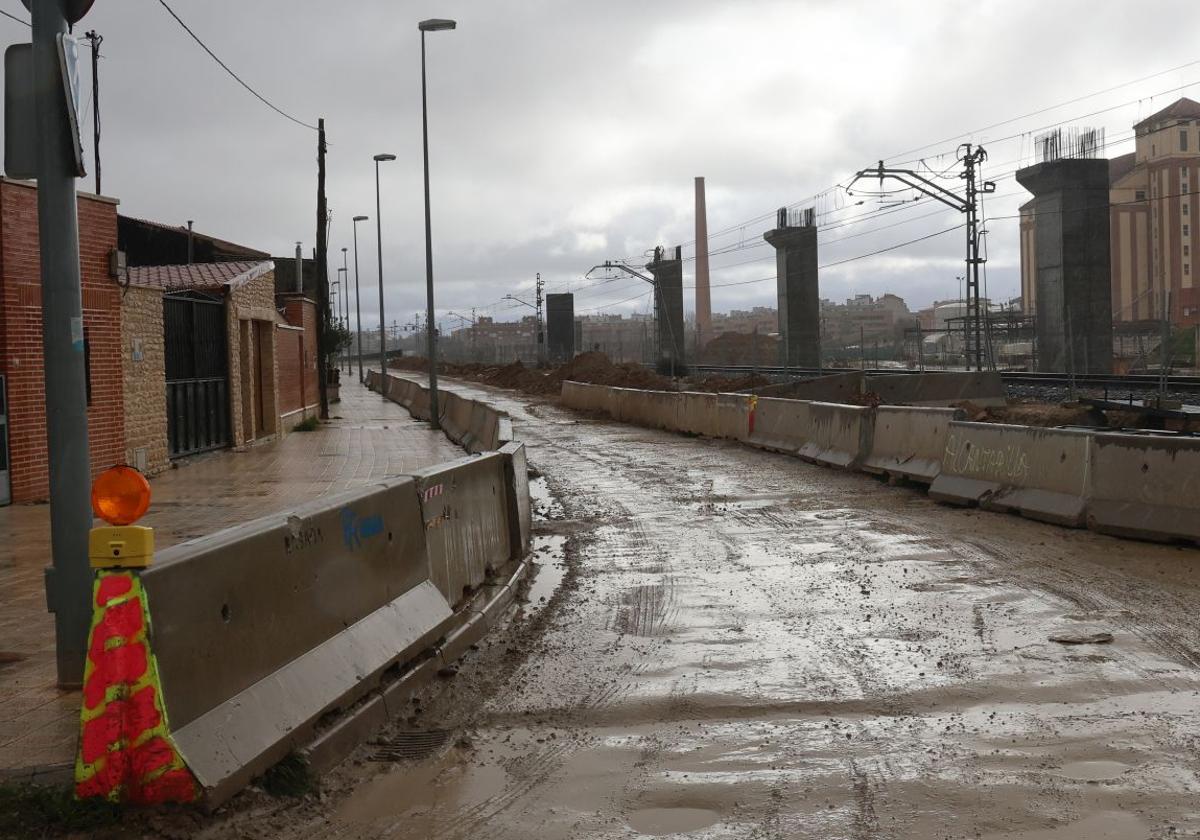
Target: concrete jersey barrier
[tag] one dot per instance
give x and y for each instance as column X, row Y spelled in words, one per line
column 1145, row 486
column 780, row 425
column 909, row 442
column 698, row 414
column 1039, row 473
column 465, row 518
column 838, row 435
column 261, row 629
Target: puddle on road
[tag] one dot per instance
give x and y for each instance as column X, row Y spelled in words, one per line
column 549, row 569
column 1114, row 825
column 658, row 822
column 545, row 506
column 1093, row 771
column 420, row 793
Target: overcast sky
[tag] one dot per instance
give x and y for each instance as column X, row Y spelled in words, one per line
column 564, row 132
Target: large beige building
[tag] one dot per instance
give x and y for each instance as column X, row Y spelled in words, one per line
column 1154, row 212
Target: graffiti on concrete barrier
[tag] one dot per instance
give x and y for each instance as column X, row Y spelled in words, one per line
column 301, row 535
column 356, row 529
column 1005, row 463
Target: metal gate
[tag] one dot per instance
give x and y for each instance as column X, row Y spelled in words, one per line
column 197, row 366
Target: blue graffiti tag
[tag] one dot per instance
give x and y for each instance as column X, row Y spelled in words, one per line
column 355, row 530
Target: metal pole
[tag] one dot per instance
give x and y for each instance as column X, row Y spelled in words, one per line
column 321, row 258
column 382, row 328
column 69, row 578
column 346, row 350
column 97, row 39
column 429, row 317
column 357, row 302
column 191, row 245
column 299, row 269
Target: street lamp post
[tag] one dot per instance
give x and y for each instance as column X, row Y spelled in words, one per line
column 346, row 268
column 379, row 244
column 431, row 25
column 343, row 282
column 357, row 301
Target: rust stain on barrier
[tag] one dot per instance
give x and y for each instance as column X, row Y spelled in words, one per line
column 1007, row 463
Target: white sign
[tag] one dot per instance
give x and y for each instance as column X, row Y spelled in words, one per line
column 68, row 59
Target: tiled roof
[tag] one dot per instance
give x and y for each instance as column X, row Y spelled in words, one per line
column 198, row 276
column 1181, row 109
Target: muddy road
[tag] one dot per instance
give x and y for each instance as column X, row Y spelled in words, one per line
column 727, row 643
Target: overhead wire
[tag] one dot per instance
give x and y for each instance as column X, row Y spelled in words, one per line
column 235, row 76
column 17, row 19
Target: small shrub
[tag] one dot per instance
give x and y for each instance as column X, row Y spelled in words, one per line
column 308, row 424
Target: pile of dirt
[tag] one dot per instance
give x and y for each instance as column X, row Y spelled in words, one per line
column 732, row 348
column 595, row 368
column 592, row 368
column 1035, row 414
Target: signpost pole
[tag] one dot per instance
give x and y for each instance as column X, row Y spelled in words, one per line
column 69, row 578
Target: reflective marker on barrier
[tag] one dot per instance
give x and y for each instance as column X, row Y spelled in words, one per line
column 125, row 749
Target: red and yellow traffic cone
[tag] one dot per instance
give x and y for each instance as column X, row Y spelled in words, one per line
column 125, row 749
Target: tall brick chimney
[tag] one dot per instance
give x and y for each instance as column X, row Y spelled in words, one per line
column 703, row 293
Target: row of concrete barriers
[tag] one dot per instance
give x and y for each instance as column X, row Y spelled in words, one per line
column 1126, row 484
column 266, row 632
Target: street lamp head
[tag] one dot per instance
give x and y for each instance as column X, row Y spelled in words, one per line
column 381, row 158
column 361, row 218
column 434, row 24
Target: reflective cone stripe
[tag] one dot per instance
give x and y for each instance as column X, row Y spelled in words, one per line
column 125, row 748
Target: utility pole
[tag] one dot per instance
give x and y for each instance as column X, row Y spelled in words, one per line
column 69, row 578
column 541, row 333
column 97, row 39
column 322, row 274
column 971, row 157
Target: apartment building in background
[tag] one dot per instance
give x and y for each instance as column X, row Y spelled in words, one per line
column 1155, row 202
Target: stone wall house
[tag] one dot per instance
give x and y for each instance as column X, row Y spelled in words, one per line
column 145, row 379
column 201, row 366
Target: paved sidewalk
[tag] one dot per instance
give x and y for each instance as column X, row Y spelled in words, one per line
column 366, row 439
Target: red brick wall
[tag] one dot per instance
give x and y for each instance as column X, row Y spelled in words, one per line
column 289, row 354
column 297, row 355
column 21, row 336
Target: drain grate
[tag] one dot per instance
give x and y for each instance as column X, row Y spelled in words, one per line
column 411, row 746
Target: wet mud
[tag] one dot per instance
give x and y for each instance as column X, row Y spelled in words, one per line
column 726, row 643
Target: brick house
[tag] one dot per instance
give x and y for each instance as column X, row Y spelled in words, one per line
column 25, row 474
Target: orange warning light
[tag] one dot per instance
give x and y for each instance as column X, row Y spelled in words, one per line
column 120, row 495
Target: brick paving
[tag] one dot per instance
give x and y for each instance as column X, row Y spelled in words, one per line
column 367, row 439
